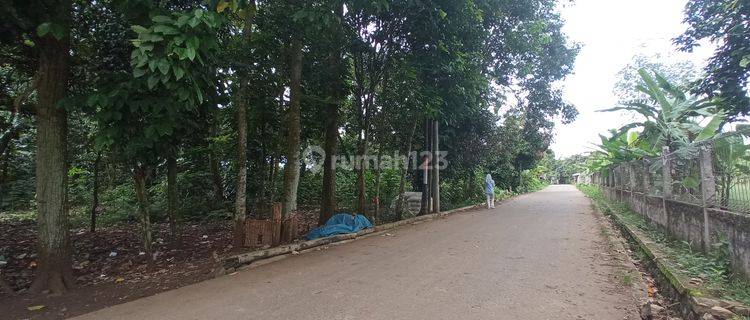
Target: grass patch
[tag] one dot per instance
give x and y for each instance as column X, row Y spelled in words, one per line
column 714, row 268
column 625, row 277
column 19, row 216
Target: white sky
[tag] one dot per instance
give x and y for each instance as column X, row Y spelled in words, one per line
column 610, row 33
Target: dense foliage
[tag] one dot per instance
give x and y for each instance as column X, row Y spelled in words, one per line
column 173, row 110
column 724, row 22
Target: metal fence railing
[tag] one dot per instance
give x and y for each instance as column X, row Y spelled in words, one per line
column 655, row 182
column 731, row 166
column 637, row 175
column 686, row 176
column 719, row 170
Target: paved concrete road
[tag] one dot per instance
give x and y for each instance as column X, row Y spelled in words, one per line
column 536, row 256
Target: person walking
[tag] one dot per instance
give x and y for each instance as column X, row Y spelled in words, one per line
column 489, row 189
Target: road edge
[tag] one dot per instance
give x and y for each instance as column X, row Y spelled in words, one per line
column 689, row 306
column 235, row 262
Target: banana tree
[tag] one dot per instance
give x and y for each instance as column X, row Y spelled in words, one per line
column 621, row 146
column 672, row 117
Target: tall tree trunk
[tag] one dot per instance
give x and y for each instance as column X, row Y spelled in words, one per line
column 362, row 147
column 291, row 169
column 240, row 202
column 95, row 192
column 469, row 187
column 362, row 162
column 376, row 213
column 111, row 171
column 55, row 272
column 4, row 171
column 260, row 196
column 213, row 164
column 216, row 181
column 328, row 201
column 174, row 215
column 140, row 174
column 361, row 188
column 402, row 178
column 272, row 172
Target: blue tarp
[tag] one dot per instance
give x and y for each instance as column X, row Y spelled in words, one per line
column 339, row 224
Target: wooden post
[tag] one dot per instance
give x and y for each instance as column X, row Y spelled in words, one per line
column 633, row 187
column 666, row 181
column 666, row 173
column 708, row 190
column 646, row 177
column 614, row 178
column 435, row 169
column 424, row 168
column 276, row 212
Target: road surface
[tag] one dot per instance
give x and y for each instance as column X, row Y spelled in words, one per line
column 537, row 256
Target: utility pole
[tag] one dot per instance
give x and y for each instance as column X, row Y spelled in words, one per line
column 435, row 168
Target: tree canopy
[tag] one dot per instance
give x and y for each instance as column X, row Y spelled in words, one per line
column 174, row 110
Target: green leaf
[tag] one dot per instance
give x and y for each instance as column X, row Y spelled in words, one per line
column 139, row 72
column 442, row 14
column 138, row 29
column 178, row 72
column 711, row 128
column 193, row 22
column 182, row 20
column 193, row 42
column 745, row 61
column 632, row 137
column 48, row 28
column 178, row 40
column 150, row 37
column 161, row 19
column 152, row 81
column 163, row 66
column 190, row 53
column 146, row 47
column 43, row 29
column 166, row 30
column 655, row 92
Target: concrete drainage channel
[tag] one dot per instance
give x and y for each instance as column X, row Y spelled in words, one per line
column 235, row 262
column 688, row 305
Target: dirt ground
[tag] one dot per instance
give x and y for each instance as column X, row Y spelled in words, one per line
column 109, row 266
column 538, row 256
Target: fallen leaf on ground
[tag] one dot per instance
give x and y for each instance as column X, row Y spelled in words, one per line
column 35, row 308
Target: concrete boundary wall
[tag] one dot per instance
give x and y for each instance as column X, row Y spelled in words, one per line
column 688, row 222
